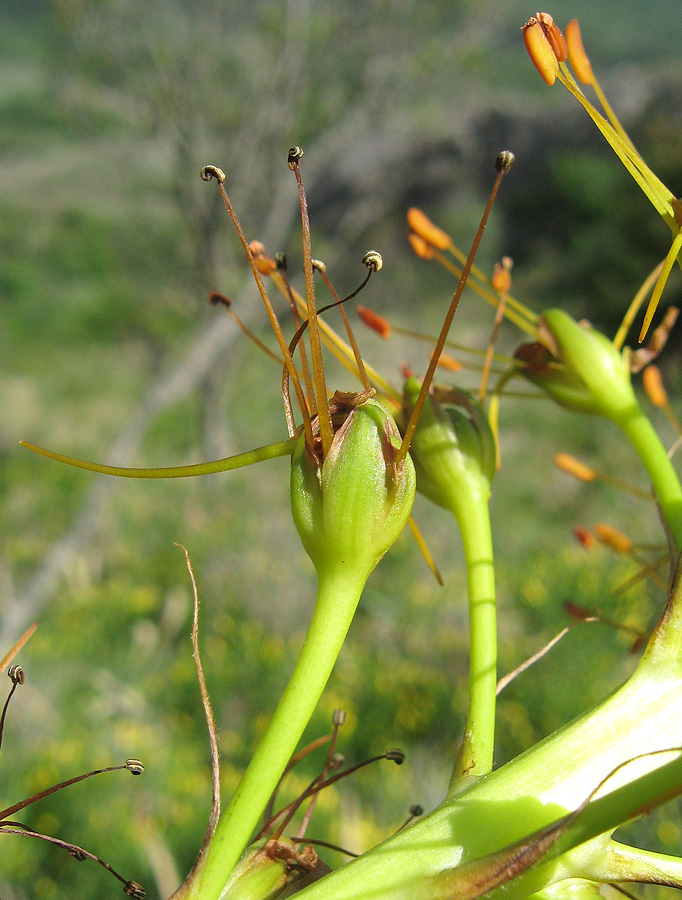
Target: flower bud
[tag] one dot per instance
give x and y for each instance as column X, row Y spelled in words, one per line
column 453, row 447
column 351, row 507
column 579, row 367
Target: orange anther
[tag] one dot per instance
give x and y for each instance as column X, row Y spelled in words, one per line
column 554, row 36
column 653, row 385
column 445, row 361
column 265, row 264
column 540, row 50
column 613, row 538
column 423, row 249
column 501, row 279
column 375, row 321
column 583, row 536
column 424, row 227
column 574, row 467
column 576, row 53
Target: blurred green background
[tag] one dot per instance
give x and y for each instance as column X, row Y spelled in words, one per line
column 109, row 245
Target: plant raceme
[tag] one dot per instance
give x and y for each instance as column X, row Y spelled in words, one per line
column 542, row 823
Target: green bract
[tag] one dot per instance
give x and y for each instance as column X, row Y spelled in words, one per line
column 350, row 508
column 580, row 368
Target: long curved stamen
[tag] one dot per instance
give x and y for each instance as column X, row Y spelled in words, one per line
column 502, row 165
column 269, row 451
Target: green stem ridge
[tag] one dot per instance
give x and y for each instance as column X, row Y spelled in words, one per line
column 475, row 757
column 337, row 599
column 641, row 434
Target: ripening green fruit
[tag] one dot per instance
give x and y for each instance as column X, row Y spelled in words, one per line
column 351, row 507
column 453, row 448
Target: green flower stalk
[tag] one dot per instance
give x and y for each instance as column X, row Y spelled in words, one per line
column 454, row 454
column 582, row 370
column 349, row 509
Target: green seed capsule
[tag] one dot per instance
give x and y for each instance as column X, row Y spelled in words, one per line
column 351, row 507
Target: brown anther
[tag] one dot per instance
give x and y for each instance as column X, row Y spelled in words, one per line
column 281, row 261
column 613, row 538
column 338, row 717
column 215, row 298
column 337, row 760
column 295, row 154
column 374, row 321
column 319, row 265
column 373, row 260
column 583, row 536
column 396, row 756
column 577, row 57
column 16, row 674
column 653, row 385
column 576, row 611
column 134, row 766
column 134, row 890
column 416, row 810
column 445, row 361
column 426, row 230
column 574, row 467
column 422, row 248
column 554, row 36
column 540, row 50
column 77, row 854
column 209, row 172
column 503, row 161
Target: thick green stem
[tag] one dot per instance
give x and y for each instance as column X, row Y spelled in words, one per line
column 475, row 757
column 641, row 434
column 531, row 792
column 337, row 598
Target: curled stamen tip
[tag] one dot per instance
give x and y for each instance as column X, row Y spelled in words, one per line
column 504, row 161
column 373, row 260
column 16, row 674
column 338, row 717
column 294, row 157
column 134, row 890
column 337, row 760
column 397, row 756
column 134, row 766
column 209, row 172
column 319, row 265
